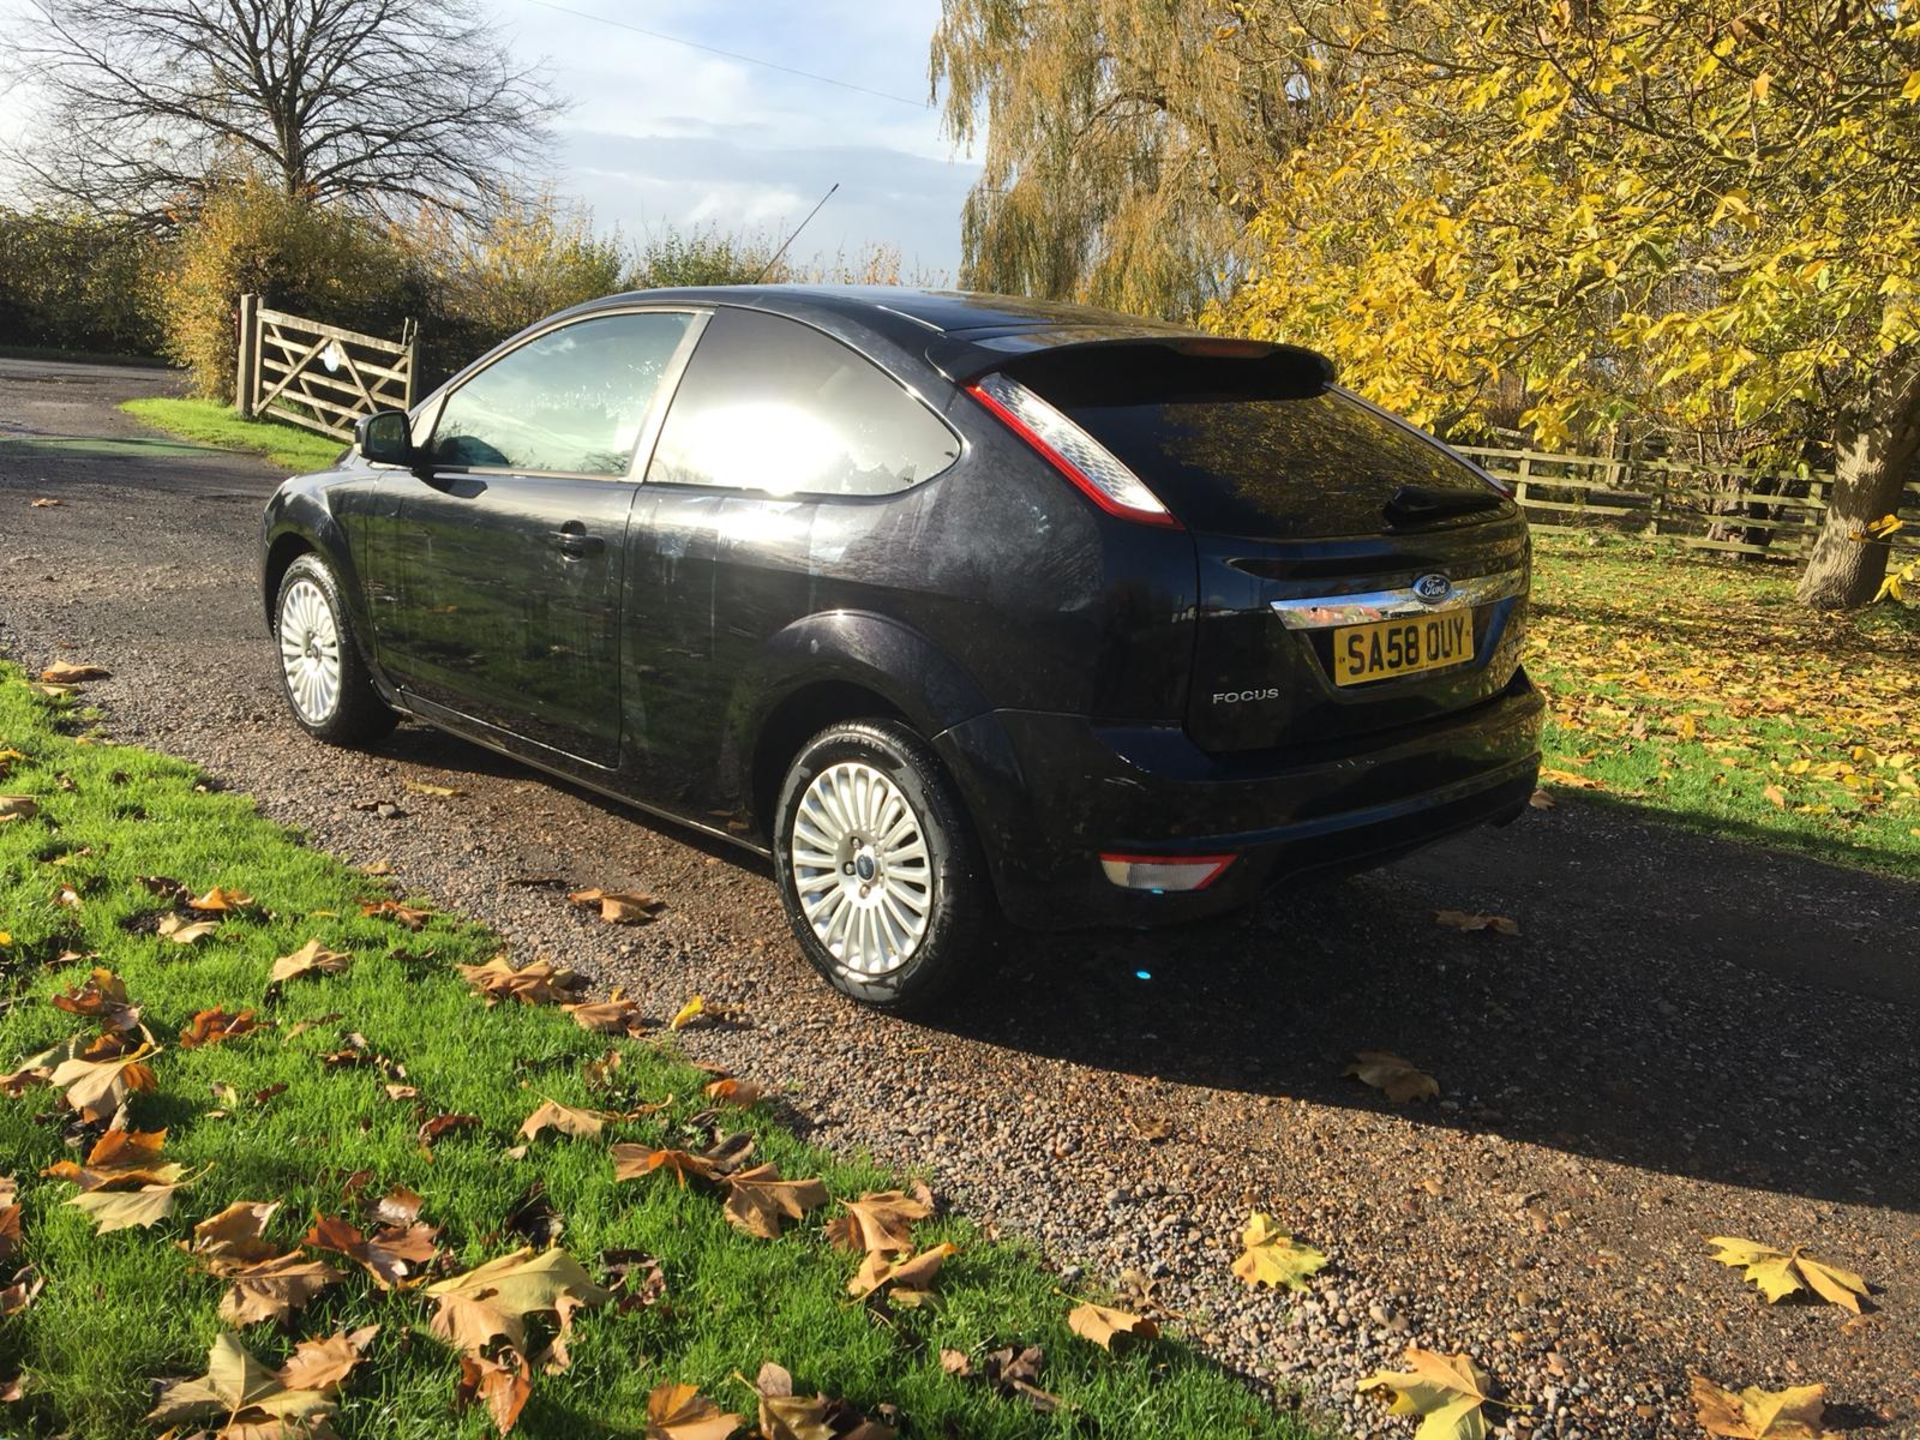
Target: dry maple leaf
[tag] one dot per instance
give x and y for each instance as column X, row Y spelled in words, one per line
column 1779, row 1273
column 439, row 1126
column 183, row 931
column 235, row 1237
column 906, row 1281
column 393, row 910
column 392, row 1255
column 612, row 1016
column 312, row 958
column 630, row 1162
column 422, row 787
column 96, row 1088
column 1014, row 1372
column 1397, row 1079
column 18, row 807
column 1462, row 920
column 323, row 1364
column 112, row 1210
column 1269, row 1256
column 878, row 1223
column 103, row 997
column 120, row 1160
column 620, row 907
column 581, row 1124
column 502, row 1384
column 729, row 1091
column 1756, row 1414
column 539, row 983
column 273, row 1289
column 218, row 901
column 19, row 1292
column 45, row 502
column 759, row 1202
column 249, row 1400
column 210, row 1027
column 493, row 1300
column 1448, row 1391
column 1103, row 1326
column 61, row 673
column 681, row 1412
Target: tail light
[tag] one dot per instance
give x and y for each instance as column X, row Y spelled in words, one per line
column 1160, row 873
column 1093, row 469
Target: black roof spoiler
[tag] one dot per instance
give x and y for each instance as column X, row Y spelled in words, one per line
column 964, row 358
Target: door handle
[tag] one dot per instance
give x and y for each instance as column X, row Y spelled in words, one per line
column 572, row 540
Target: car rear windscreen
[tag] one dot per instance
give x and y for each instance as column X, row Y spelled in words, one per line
column 1238, row 447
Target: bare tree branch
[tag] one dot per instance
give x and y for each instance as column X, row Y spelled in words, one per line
column 375, row 104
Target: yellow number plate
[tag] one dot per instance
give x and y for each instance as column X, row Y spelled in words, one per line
column 1401, row 647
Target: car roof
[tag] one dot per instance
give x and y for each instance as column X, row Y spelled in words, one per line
column 957, row 332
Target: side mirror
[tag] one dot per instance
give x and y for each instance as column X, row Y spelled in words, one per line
column 386, row 438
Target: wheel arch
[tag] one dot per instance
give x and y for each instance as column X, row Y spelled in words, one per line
column 836, row 667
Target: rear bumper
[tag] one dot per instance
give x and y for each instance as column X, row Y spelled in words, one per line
column 1051, row 793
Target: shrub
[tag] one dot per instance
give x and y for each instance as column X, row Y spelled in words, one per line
column 76, row 284
column 484, row 281
column 250, row 238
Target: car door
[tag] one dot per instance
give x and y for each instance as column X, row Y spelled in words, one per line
column 502, row 579
column 784, row 476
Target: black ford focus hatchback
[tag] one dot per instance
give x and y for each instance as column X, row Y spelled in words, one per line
column 958, row 606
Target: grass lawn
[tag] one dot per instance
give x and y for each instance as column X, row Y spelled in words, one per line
column 266, row 1117
column 212, row 423
column 1698, row 688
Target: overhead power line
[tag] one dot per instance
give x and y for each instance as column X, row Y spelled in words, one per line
column 730, row 54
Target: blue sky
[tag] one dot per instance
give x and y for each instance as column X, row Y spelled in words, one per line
column 663, row 134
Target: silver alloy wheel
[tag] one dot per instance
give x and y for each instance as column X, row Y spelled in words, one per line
column 310, row 651
column 861, row 869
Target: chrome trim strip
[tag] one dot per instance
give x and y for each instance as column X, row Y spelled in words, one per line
column 1320, row 613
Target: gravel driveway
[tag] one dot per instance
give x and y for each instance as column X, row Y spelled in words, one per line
column 1689, row 1037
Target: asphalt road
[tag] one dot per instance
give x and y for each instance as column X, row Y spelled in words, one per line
column 1690, row 1037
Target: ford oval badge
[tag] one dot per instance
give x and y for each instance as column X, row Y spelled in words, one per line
column 1433, row 588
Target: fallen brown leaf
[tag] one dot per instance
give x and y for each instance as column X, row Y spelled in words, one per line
column 681, row 1412
column 393, row 910
column 62, row 673
column 1755, row 1414
column 620, row 907
column 393, row 1256
column 907, row 1282
column 1103, row 1326
column 273, row 1289
column 1462, row 920
column 759, row 1202
column 322, row 1364
column 878, row 1223
column 581, row 1124
column 539, row 983
column 1397, row 1079
column 218, row 901
column 503, row 1385
column 311, row 958
column 183, row 931
column 211, row 1027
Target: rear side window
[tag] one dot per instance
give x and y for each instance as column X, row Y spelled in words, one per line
column 1251, row 457
column 571, row 401
column 769, row 404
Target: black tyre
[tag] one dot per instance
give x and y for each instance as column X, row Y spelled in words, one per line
column 322, row 670
column 878, row 867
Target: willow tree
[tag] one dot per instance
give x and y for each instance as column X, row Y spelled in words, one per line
column 1712, row 210
column 1126, row 141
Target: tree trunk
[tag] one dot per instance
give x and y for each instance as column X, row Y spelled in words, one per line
column 1873, row 453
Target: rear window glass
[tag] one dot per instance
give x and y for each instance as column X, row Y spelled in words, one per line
column 1300, row 465
column 769, row 404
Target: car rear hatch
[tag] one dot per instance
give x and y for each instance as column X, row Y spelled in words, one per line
column 1354, row 575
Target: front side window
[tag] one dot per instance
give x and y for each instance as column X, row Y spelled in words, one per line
column 571, row 401
column 769, row 404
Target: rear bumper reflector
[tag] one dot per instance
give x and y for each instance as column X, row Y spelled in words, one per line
column 1160, row 873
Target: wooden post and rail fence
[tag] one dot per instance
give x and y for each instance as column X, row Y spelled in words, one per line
column 317, row 375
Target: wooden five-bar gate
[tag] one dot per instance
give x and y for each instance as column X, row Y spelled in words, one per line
column 317, row 375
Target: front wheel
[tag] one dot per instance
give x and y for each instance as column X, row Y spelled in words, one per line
column 322, row 672
column 878, row 870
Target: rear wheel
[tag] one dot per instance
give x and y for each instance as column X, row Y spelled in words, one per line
column 322, row 673
column 878, row 869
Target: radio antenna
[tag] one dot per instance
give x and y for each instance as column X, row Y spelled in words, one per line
column 796, row 234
